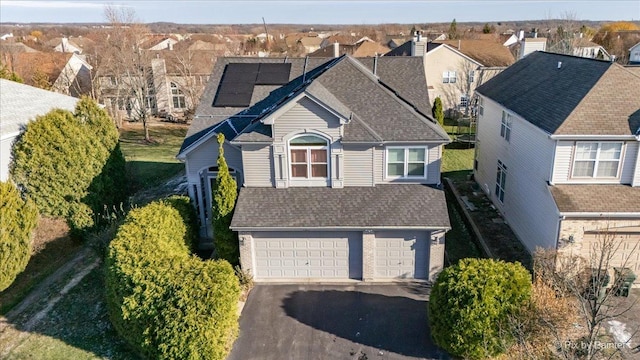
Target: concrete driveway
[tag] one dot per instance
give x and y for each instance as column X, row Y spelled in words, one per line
column 362, row 322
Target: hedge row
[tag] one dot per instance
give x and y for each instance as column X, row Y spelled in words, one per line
column 70, row 164
column 471, row 305
column 166, row 302
column 18, row 219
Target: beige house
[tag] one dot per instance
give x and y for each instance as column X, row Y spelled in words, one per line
column 559, row 153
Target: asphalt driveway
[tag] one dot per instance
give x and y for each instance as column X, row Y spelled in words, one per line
column 363, row 322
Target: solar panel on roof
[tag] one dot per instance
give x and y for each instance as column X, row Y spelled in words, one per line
column 236, row 86
column 273, row 74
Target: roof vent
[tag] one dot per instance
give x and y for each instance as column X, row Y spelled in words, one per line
column 559, row 64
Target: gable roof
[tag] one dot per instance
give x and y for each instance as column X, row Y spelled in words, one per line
column 487, row 52
column 392, row 105
column 21, row 103
column 51, row 64
column 405, row 49
column 582, row 97
column 361, row 49
column 416, row 206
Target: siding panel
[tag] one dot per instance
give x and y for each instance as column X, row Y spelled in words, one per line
column 258, row 165
column 358, row 166
column 306, row 115
column 206, row 155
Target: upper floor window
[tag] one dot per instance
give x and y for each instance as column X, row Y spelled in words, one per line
column 449, row 77
column 407, row 162
column 501, row 180
column 597, row 159
column 178, row 97
column 480, row 106
column 471, row 76
column 309, row 157
column 464, row 101
column 505, row 126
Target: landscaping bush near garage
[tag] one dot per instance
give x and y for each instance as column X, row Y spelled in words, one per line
column 163, row 300
column 18, row 219
column 71, row 165
column 472, row 304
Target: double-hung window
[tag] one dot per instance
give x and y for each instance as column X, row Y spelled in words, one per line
column 501, row 180
column 309, row 157
column 471, row 76
column 505, row 126
column 179, row 101
column 480, row 106
column 597, row 159
column 407, row 162
column 448, row 77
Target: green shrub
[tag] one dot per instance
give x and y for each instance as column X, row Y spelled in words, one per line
column 18, row 219
column 438, row 113
column 471, row 303
column 63, row 159
column 166, row 302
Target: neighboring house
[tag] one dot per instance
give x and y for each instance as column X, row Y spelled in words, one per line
column 75, row 45
column 558, row 152
column 6, row 36
column 156, row 42
column 530, row 45
column 589, row 49
column 338, row 161
column 310, row 43
column 176, row 81
column 359, row 49
column 20, row 104
column 65, row 73
column 634, row 54
column 455, row 68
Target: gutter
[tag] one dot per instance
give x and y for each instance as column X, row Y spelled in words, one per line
column 565, row 215
column 595, row 137
column 331, row 228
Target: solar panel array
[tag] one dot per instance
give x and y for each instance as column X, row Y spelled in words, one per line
column 236, row 86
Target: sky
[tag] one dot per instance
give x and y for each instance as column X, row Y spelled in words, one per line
column 320, row 12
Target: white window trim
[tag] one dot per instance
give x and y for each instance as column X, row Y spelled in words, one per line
column 480, row 106
column 447, row 76
column 309, row 181
column 406, row 163
column 500, row 185
column 597, row 160
column 506, row 126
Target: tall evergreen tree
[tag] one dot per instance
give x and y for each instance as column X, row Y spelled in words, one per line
column 224, row 201
column 438, row 113
column 453, row 30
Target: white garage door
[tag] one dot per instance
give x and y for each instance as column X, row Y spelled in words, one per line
column 402, row 254
column 627, row 242
column 320, row 255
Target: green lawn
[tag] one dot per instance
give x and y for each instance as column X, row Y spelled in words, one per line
column 150, row 164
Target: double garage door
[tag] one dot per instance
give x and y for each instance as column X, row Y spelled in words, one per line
column 338, row 255
column 627, row 244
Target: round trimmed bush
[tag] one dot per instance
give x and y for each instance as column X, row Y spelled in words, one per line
column 471, row 303
column 18, row 219
column 63, row 159
column 164, row 301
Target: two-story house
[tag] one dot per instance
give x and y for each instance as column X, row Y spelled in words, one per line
column 557, row 153
column 338, row 162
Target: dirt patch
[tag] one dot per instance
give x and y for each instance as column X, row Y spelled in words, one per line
column 51, row 248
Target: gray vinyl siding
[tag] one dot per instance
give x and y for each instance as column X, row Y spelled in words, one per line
column 5, row 158
column 258, row 165
column 562, row 162
column 306, row 115
column 629, row 162
column 434, row 155
column 528, row 205
column 358, row 165
column 206, row 155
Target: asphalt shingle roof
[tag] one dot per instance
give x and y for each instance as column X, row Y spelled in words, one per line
column 394, row 102
column 596, row 198
column 21, row 103
column 391, row 206
column 582, row 97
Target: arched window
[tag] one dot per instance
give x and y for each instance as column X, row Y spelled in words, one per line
column 178, row 97
column 309, row 157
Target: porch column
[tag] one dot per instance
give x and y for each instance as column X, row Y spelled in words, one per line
column 368, row 255
column 246, row 251
column 436, row 254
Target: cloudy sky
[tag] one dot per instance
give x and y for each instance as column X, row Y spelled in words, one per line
column 320, row 12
